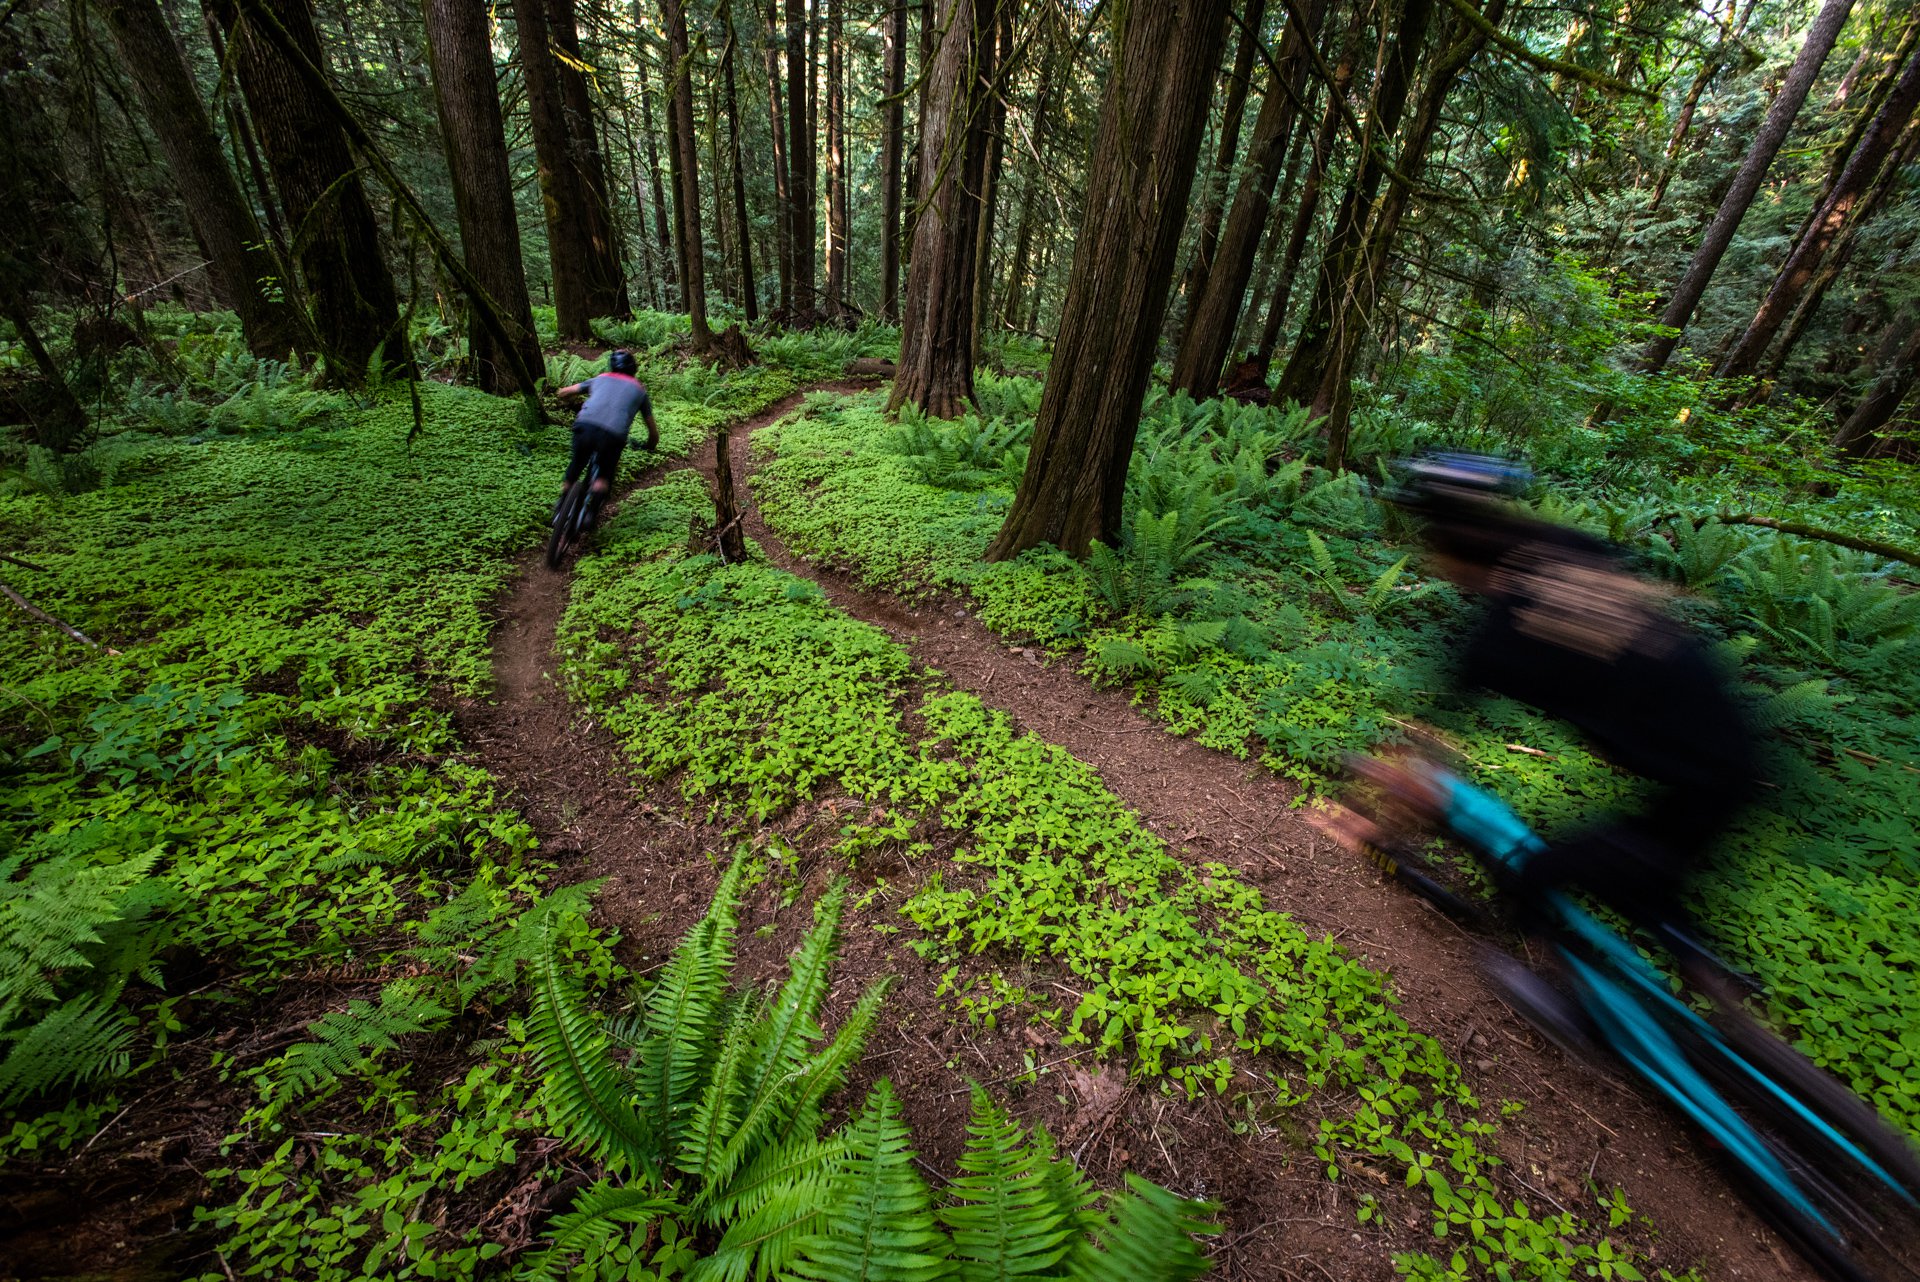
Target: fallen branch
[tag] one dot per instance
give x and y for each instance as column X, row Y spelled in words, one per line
column 22, row 562
column 36, row 612
column 1892, row 551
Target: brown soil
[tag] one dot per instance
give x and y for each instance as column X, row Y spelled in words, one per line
column 661, row 859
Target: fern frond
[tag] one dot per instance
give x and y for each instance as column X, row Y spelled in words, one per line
column 345, row 1040
column 683, row 1014
column 763, row 1241
column 827, row 1071
column 716, row 1114
column 1147, row 1236
column 1382, row 590
column 878, row 1223
column 1004, row 1220
column 588, row 1096
column 79, row 1040
column 599, row 1217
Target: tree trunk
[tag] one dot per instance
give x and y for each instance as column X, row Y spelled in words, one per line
column 460, row 47
column 239, row 263
column 990, row 184
column 337, row 243
column 241, row 138
column 1239, row 80
column 1346, row 242
column 663, row 232
column 749, row 287
column 782, row 183
column 1853, row 182
column 1141, row 174
column 1354, row 319
column 1304, row 214
column 1836, row 261
column 800, row 163
column 1731, row 30
column 693, row 269
column 893, row 91
column 569, row 251
column 1213, row 313
column 1857, row 434
column 836, row 165
column 1029, row 198
column 1746, row 181
column 606, row 258
column 66, row 420
column 1271, row 238
column 936, row 331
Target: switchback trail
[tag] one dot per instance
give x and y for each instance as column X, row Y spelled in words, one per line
column 1579, row 1129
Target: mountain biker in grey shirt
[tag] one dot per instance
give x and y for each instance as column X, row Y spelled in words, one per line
column 613, row 400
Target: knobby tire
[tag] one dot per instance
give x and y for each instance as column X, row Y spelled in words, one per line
column 566, row 524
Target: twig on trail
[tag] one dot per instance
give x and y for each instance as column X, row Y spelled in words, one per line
column 1539, row 1192
column 1097, row 730
column 225, row 1267
column 44, row 617
column 22, row 562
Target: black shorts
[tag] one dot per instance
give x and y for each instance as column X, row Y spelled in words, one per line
column 595, row 442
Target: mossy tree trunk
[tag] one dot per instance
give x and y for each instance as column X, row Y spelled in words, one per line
column 459, row 46
column 1151, row 118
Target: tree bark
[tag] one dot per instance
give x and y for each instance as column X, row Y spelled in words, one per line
column 1857, row 434
column 836, row 165
column 1836, row 262
column 606, row 260
column 1151, row 118
column 693, row 269
column 1304, row 213
column 239, row 263
column 1213, row 313
column 1354, row 320
column 1715, row 58
column 66, row 420
column 241, row 137
column 893, row 90
column 936, row 331
column 1746, row 181
column 1029, row 197
column 663, row 229
column 1856, row 177
column 563, row 199
column 782, row 183
column 1346, row 242
column 800, row 163
column 990, row 183
column 460, row 48
column 336, row 242
column 1271, row 239
column 1239, row 81
column 749, row 287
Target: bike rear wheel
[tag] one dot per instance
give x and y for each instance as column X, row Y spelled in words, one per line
column 567, row 523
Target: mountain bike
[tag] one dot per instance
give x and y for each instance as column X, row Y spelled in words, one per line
column 1819, row 1163
column 574, row 515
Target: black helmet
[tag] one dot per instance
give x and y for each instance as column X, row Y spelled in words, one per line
column 1445, row 483
column 622, row 362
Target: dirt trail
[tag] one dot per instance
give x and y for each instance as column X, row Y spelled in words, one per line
column 581, row 796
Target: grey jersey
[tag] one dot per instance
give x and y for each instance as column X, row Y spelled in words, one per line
column 613, row 402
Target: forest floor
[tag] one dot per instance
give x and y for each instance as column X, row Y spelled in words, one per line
column 1580, row 1128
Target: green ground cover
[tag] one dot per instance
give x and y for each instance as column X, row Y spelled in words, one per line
column 746, row 685
column 1270, row 609
column 243, row 861
column 254, row 817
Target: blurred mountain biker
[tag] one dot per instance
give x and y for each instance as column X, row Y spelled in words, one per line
column 1568, row 629
column 613, row 400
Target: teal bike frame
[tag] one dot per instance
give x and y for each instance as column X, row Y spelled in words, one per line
column 1629, row 1002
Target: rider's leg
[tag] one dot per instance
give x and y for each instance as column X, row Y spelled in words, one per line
column 577, row 462
column 610, row 448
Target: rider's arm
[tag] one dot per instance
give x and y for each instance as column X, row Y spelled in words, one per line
column 572, row 389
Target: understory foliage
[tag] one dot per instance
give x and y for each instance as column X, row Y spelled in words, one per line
column 755, row 693
column 707, row 1107
column 241, row 851
column 1270, row 609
